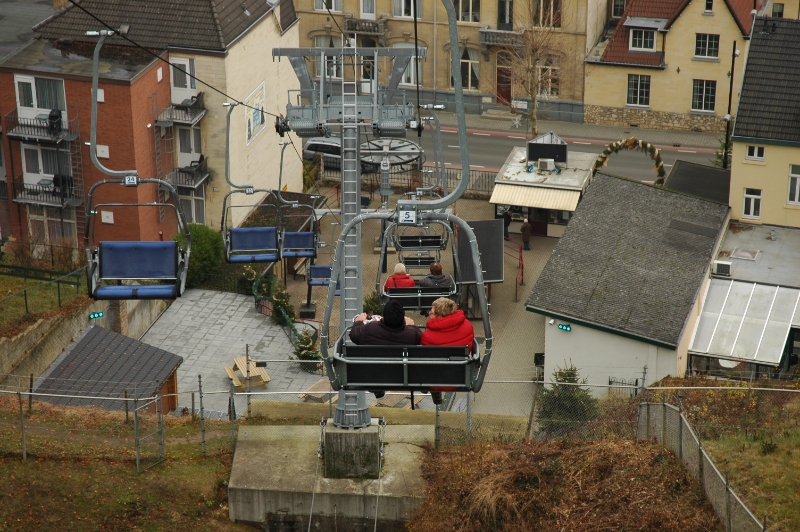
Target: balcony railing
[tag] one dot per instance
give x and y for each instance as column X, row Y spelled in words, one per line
column 365, row 27
column 189, row 176
column 500, row 38
column 45, row 193
column 188, row 112
column 39, row 128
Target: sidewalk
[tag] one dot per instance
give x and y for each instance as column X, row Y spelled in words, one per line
column 571, row 130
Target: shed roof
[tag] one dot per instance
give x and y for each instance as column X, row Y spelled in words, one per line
column 631, row 260
column 701, row 180
column 102, row 363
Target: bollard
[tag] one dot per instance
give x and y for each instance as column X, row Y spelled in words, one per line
column 202, row 414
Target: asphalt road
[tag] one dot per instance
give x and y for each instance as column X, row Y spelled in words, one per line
column 488, row 151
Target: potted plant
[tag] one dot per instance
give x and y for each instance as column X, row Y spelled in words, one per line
column 306, row 349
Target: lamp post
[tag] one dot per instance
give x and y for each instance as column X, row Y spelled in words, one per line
column 727, row 117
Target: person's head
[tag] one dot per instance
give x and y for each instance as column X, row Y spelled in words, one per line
column 393, row 313
column 436, row 268
column 443, row 307
column 399, row 268
column 525, row 221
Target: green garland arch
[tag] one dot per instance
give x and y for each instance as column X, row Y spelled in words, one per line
column 633, row 144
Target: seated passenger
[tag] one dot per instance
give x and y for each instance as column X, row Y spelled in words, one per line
column 400, row 279
column 436, row 279
column 393, row 328
column 447, row 326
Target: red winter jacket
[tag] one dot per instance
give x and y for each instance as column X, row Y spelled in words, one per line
column 401, row 280
column 454, row 329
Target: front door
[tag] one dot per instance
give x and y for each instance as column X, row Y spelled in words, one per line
column 538, row 219
column 183, row 85
column 189, row 146
column 503, row 78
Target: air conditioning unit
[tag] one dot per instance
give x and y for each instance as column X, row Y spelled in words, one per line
column 721, row 267
column 547, row 165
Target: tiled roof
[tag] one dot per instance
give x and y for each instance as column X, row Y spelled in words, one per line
column 768, row 105
column 617, row 50
column 631, row 260
column 103, row 363
column 700, row 180
column 201, row 24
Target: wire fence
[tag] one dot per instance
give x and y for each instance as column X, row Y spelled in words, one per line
column 42, row 297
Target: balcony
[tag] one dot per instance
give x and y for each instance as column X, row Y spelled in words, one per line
column 187, row 113
column 366, row 27
column 189, row 176
column 46, row 192
column 39, row 128
column 499, row 38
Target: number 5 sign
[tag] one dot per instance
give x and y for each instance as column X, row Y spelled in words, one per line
column 408, row 217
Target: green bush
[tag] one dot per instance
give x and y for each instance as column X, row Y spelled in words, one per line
column 280, row 301
column 208, row 253
column 306, row 349
column 565, row 407
column 372, row 304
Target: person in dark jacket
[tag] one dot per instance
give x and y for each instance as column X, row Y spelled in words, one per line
column 447, row 326
column 506, row 223
column 400, row 279
column 393, row 328
column 526, row 234
column 436, row 278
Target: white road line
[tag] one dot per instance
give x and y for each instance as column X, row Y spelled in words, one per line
column 482, row 134
column 687, row 151
column 476, row 166
column 516, row 137
column 667, row 165
column 579, row 142
column 454, row 146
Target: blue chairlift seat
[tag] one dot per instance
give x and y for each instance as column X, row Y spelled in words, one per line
column 321, row 276
column 298, row 244
column 138, row 261
column 253, row 244
column 393, row 367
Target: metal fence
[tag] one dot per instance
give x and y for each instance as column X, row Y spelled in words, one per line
column 42, row 297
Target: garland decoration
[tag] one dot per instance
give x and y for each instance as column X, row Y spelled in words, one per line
column 633, row 144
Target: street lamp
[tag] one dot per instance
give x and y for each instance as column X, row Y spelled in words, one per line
column 727, row 117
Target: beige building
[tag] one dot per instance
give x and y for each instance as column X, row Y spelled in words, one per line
column 489, row 33
column 765, row 165
column 667, row 65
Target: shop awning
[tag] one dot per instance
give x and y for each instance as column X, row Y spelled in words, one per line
column 539, row 197
column 746, row 321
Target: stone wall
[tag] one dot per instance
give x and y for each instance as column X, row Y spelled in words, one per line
column 624, row 117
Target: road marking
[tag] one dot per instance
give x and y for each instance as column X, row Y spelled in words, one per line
column 482, row 134
column 516, row 137
column 476, row 166
column 454, row 146
column 667, row 165
column 579, row 142
column 687, row 151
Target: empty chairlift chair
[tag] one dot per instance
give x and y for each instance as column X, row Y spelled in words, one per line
column 250, row 244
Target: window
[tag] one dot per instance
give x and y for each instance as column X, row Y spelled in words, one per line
column 505, row 15
column 546, row 13
column 643, row 40
column 368, row 9
column 618, row 8
column 179, row 78
column 470, row 65
column 193, row 203
column 638, row 90
column 548, row 77
column 794, row 183
column 777, row 10
column 37, row 96
column 332, row 64
column 752, row 203
column 189, row 146
column 40, row 163
column 410, row 75
column 324, row 5
column 470, row 10
column 704, row 93
column 709, row 5
column 755, row 153
column 706, row 45
column 405, row 8
column 45, row 225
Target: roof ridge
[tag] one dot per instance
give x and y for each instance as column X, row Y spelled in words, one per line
column 217, row 24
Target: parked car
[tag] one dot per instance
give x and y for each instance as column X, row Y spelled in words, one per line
column 331, row 150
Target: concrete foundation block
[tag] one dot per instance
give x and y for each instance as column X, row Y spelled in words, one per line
column 352, row 453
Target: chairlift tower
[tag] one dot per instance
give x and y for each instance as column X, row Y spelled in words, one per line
column 339, row 103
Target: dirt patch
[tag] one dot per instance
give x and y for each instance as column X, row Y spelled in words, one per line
column 561, row 485
column 736, row 227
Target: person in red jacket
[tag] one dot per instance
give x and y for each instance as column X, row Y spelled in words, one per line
column 446, row 326
column 400, row 279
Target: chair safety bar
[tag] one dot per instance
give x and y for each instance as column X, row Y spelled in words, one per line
column 421, row 243
column 418, row 297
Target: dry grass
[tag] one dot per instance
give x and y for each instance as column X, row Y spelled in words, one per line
column 560, row 485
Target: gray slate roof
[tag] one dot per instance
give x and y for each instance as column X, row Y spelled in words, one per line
column 103, row 363
column 771, row 89
column 18, row 17
column 158, row 24
column 631, row 260
column 701, row 180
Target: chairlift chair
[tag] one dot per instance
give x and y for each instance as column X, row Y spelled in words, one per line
column 250, row 244
column 164, row 264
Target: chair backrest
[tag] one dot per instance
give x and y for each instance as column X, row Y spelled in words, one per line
column 420, row 241
column 298, row 240
column 254, row 239
column 418, row 261
column 138, row 260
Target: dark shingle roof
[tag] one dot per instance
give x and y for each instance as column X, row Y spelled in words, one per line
column 768, row 106
column 631, row 260
column 158, row 24
column 103, row 363
column 700, row 180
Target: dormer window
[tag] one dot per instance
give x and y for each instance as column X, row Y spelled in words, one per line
column 643, row 40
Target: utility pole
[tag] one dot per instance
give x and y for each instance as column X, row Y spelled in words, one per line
column 727, row 117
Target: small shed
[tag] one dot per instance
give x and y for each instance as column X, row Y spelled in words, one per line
column 103, row 363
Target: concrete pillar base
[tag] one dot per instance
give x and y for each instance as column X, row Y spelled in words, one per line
column 352, row 453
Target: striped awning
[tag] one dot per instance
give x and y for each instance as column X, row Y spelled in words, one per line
column 538, row 197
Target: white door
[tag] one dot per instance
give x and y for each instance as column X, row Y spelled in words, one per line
column 26, row 97
column 189, row 146
column 368, row 9
column 183, row 85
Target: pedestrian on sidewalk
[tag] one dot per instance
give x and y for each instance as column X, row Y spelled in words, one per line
column 526, row 234
column 506, row 223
